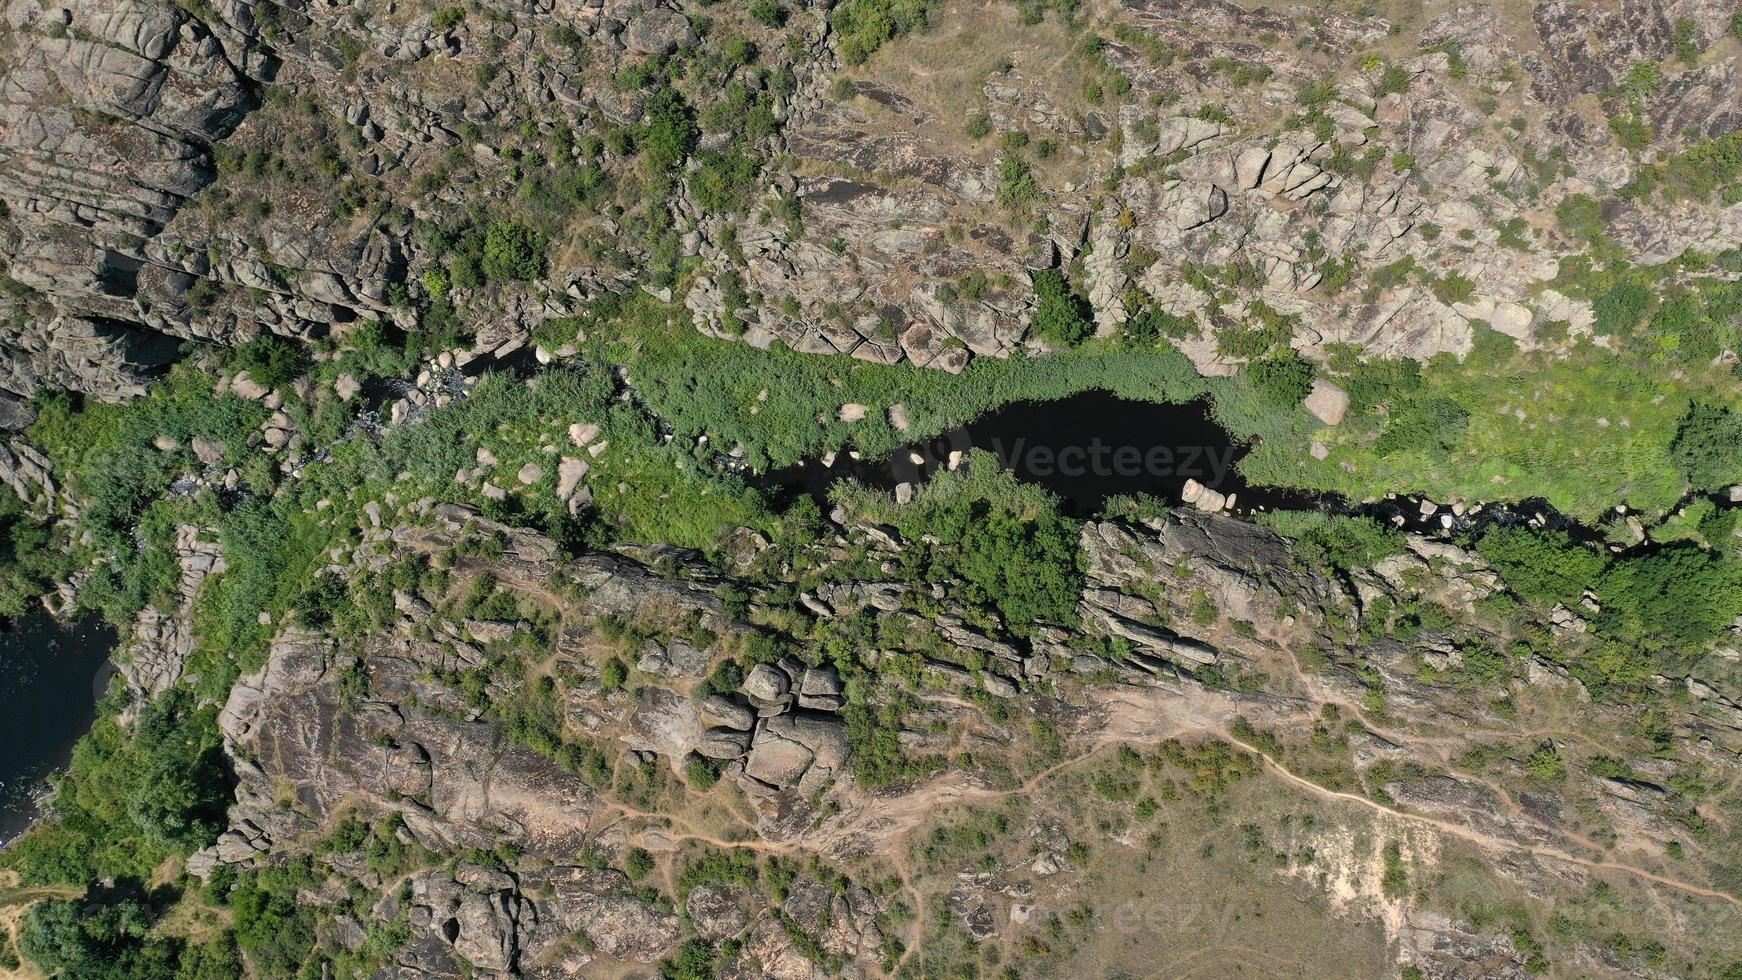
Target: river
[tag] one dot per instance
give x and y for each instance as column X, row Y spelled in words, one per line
column 1093, row 445
column 1085, row 448
column 51, row 675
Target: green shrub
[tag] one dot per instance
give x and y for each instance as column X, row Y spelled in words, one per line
column 613, row 673
column 1062, row 318
column 1335, row 541
column 638, row 864
column 863, row 25
column 512, row 253
column 1619, row 308
column 111, row 941
column 1281, row 379
column 1580, row 216
column 1672, row 602
column 31, row 559
column 271, row 360
column 1016, row 186
column 767, row 13
column 701, row 776
column 1394, row 80
column 669, row 130
column 1434, row 424
column 1151, row 324
column 1708, row 447
column 131, row 799
column 725, row 180
column 1001, row 543
column 1542, row 566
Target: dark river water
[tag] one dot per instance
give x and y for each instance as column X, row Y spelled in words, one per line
column 1084, row 448
column 51, row 675
column 1094, row 445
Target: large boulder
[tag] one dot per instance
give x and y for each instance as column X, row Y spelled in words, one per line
column 665, row 722
column 718, row 911
column 659, row 31
column 802, row 749
column 601, row 904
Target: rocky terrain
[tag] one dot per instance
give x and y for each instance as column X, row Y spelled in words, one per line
column 403, row 381
column 129, row 129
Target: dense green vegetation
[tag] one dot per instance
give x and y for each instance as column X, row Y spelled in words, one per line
column 1061, row 317
column 74, row 938
column 725, row 390
column 1342, row 543
column 132, row 797
column 865, row 24
column 31, row 560
column 121, row 459
column 1652, row 611
column 1584, row 428
column 1708, row 447
column 1004, row 540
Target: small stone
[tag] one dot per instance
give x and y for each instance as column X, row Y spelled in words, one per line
column 529, row 474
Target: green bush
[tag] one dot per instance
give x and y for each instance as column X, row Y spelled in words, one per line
column 1335, row 541
column 131, row 799
column 767, row 13
column 1542, row 566
column 1283, row 380
column 700, row 775
column 725, row 180
column 31, row 559
column 669, row 130
column 1580, row 216
column 1062, row 318
column 1434, row 424
column 512, row 253
column 1673, row 601
column 1152, row 324
column 1393, row 80
column 273, row 927
column 1619, row 308
column 272, row 361
column 1708, row 447
column 81, row 941
column 863, row 25
column 1001, row 542
column 638, row 864
column 1016, row 186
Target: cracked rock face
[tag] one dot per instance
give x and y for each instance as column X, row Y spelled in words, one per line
column 114, row 116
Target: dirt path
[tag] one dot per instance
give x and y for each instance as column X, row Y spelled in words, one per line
column 1481, row 839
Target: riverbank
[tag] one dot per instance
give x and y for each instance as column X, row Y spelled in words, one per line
column 51, row 676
